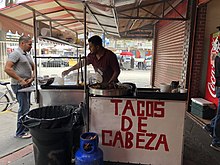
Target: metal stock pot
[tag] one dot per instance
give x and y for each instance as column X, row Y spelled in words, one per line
column 100, row 90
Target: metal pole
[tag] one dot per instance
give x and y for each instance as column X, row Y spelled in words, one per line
column 77, row 55
column 103, row 39
column 85, row 37
column 193, row 24
column 35, row 54
column 50, row 29
column 86, row 93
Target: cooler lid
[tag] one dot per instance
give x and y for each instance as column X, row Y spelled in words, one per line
column 201, row 101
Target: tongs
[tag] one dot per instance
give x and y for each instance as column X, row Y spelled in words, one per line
column 82, row 79
column 80, row 66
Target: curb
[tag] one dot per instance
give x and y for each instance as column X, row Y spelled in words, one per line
column 16, row 155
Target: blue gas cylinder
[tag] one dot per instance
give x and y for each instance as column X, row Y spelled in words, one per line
column 89, row 153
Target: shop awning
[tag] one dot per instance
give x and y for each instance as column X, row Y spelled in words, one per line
column 123, row 18
column 63, row 15
column 7, row 24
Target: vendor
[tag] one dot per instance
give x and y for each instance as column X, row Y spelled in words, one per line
column 104, row 62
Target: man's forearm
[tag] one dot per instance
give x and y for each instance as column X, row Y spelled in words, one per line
column 13, row 74
column 114, row 77
column 77, row 66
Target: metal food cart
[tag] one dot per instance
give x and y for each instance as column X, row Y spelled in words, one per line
column 145, row 128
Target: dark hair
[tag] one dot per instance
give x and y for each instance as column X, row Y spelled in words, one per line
column 95, row 40
column 24, row 38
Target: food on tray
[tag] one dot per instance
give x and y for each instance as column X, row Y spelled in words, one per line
column 108, row 86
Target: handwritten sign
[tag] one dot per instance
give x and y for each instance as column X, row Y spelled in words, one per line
column 138, row 130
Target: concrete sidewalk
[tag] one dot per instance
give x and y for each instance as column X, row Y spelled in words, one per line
column 11, row 148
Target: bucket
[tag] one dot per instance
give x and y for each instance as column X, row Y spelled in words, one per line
column 183, row 90
column 164, row 88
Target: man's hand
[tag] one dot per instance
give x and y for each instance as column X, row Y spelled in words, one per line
column 26, row 82
column 29, row 81
column 65, row 72
column 23, row 83
column 212, row 57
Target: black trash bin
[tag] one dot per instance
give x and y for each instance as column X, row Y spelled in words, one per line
column 53, row 132
column 78, row 129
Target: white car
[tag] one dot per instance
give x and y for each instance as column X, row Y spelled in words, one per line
column 147, row 62
column 126, row 62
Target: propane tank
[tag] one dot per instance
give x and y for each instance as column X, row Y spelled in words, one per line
column 89, row 153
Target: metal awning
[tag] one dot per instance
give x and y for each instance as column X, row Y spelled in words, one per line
column 137, row 17
column 121, row 18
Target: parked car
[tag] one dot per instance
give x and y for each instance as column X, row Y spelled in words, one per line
column 147, row 62
column 126, row 62
column 55, row 63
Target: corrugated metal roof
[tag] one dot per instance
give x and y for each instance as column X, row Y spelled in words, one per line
column 124, row 18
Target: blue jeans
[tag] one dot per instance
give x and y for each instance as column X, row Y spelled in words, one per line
column 215, row 122
column 24, row 106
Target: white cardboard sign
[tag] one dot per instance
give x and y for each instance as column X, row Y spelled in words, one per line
column 139, row 130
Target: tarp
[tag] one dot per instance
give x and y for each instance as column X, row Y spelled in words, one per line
column 64, row 15
column 7, row 24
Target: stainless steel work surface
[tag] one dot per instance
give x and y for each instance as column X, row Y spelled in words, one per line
column 28, row 89
column 60, row 97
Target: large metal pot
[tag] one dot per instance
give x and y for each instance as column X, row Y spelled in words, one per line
column 121, row 90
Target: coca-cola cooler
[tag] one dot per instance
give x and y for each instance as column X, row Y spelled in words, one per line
column 214, row 48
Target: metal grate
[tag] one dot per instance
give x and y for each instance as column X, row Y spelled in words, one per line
column 169, row 53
